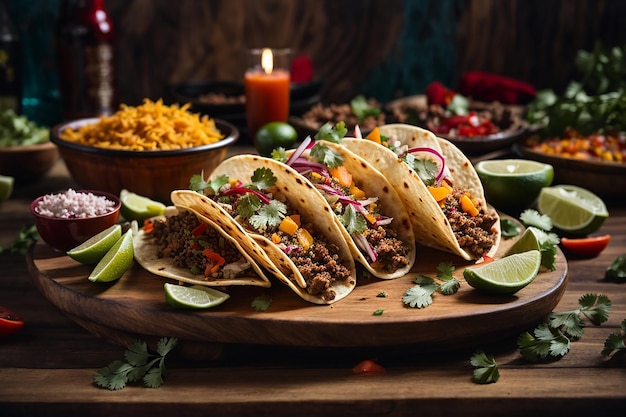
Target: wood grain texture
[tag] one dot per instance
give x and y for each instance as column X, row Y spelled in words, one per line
column 47, row 368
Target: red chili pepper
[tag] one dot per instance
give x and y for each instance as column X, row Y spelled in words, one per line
column 586, row 247
column 368, row 366
column 199, row 229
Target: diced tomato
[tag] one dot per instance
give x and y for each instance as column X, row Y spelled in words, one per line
column 10, row 322
column 587, row 247
column 199, row 229
column 368, row 366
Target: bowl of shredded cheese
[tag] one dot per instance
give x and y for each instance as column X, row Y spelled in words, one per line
column 151, row 149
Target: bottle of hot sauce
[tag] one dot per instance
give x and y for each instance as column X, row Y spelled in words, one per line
column 86, row 59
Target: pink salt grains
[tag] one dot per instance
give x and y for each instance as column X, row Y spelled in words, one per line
column 71, row 204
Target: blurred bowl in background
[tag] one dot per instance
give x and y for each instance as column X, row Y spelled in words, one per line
column 28, row 163
column 153, row 174
column 226, row 99
column 64, row 234
column 604, row 178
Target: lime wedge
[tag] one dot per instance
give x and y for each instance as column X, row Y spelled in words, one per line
column 6, row 187
column 138, row 207
column 573, row 209
column 116, row 261
column 512, row 185
column 93, row 249
column 505, row 275
column 194, row 297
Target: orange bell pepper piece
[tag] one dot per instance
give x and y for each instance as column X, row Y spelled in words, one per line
column 374, row 135
column 468, row 206
column 342, row 175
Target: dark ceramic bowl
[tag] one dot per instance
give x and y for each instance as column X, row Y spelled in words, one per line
column 64, row 234
column 153, row 174
column 28, row 163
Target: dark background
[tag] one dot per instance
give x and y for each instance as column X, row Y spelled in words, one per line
column 382, row 48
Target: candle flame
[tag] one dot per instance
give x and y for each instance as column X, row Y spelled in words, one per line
column 267, row 60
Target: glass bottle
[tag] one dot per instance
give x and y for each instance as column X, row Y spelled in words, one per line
column 86, row 59
column 10, row 63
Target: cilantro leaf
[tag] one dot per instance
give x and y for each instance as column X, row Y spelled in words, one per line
column 279, row 154
column 616, row 341
column 247, row 205
column 261, row 303
column 269, row 215
column 546, row 341
column 486, row 371
column 353, row 221
column 381, row 294
column 595, row 307
column 324, row 155
column 509, row 228
column 426, row 169
column 362, row 109
column 531, row 217
column 419, row 296
column 332, row 133
column 26, row 238
column 378, row 312
column 199, row 184
column 445, row 271
column 450, row 286
column 140, row 364
column 554, row 337
column 617, row 270
column 263, row 178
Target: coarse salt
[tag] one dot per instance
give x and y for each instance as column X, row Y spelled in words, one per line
column 71, row 204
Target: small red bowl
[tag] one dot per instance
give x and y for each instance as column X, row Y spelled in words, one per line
column 64, row 234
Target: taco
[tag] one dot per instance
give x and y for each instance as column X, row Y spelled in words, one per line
column 186, row 246
column 283, row 214
column 439, row 187
column 368, row 209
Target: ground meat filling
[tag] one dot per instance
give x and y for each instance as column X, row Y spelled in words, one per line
column 319, row 265
column 474, row 233
column 175, row 240
column 392, row 252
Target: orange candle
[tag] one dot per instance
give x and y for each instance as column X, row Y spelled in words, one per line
column 267, row 93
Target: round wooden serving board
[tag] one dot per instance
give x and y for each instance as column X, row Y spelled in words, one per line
column 135, row 306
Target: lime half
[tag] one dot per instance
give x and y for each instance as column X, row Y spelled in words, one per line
column 6, row 187
column 116, row 261
column 194, row 297
column 573, row 209
column 93, row 249
column 512, row 185
column 138, row 207
column 506, row 275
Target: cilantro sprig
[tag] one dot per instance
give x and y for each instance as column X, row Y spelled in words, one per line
column 616, row 342
column 332, row 133
column 486, row 368
column 27, row 237
column 140, row 364
column 421, row 295
column 553, row 338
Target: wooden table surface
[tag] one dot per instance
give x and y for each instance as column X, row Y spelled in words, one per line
column 48, row 367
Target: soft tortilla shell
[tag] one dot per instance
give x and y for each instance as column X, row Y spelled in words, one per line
column 430, row 225
column 145, row 250
column 374, row 184
column 312, row 208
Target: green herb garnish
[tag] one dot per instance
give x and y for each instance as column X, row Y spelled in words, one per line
column 140, row 364
column 617, row 270
column 420, row 295
column 553, row 338
column 616, row 342
column 261, row 303
column 486, row 369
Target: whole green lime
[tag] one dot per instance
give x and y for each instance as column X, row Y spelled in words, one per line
column 513, row 185
column 274, row 135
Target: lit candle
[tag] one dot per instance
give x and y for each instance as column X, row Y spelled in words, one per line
column 267, row 88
